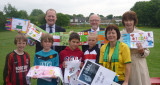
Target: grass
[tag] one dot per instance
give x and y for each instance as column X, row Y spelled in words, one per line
column 7, row 45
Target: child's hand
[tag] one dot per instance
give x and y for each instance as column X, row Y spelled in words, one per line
column 54, row 77
column 64, row 65
column 81, row 65
column 34, row 77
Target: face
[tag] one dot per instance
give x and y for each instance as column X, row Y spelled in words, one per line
column 46, row 44
column 94, row 21
column 21, row 45
column 112, row 35
column 92, row 40
column 51, row 18
column 129, row 24
column 73, row 44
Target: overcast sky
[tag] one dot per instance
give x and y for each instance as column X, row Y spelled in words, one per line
column 85, row 7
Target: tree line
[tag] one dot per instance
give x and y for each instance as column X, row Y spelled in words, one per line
column 148, row 13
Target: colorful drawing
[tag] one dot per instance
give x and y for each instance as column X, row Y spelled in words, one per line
column 45, row 72
column 145, row 38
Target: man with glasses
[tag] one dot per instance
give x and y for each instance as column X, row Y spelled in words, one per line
column 94, row 22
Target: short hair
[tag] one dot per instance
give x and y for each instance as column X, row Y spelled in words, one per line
column 74, row 35
column 95, row 15
column 113, row 27
column 50, row 10
column 92, row 35
column 130, row 15
column 20, row 37
column 47, row 36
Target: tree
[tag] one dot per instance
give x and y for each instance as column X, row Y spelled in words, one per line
column 158, row 17
column 23, row 14
column 36, row 12
column 62, row 20
column 10, row 11
column 37, row 17
column 2, row 20
column 110, row 16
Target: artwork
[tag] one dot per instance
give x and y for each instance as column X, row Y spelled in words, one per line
column 71, row 71
column 145, row 38
column 94, row 74
column 60, row 38
column 35, row 32
column 17, row 24
column 45, row 72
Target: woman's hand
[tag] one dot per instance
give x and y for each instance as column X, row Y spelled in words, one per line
column 140, row 48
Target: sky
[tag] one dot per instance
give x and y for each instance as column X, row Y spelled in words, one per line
column 85, row 7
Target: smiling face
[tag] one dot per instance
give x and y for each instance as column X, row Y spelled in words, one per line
column 94, row 21
column 51, row 17
column 73, row 44
column 129, row 25
column 92, row 40
column 112, row 35
column 21, row 45
column 46, row 45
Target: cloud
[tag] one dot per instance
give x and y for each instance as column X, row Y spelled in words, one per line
column 85, row 7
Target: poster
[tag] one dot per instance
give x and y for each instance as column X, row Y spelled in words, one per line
column 145, row 38
column 19, row 24
column 71, row 72
column 94, row 74
column 35, row 32
column 45, row 72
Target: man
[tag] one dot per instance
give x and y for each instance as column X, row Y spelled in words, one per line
column 94, row 22
column 51, row 27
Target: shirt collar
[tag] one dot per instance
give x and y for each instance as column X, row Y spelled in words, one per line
column 47, row 26
column 96, row 30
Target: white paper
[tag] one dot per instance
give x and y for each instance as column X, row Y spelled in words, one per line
column 94, row 74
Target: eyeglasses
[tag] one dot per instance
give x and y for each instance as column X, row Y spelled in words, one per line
column 94, row 20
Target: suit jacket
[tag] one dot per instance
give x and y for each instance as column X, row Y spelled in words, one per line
column 101, row 29
column 57, row 48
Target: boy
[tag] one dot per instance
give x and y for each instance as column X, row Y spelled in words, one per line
column 72, row 51
column 46, row 57
column 17, row 63
column 92, row 52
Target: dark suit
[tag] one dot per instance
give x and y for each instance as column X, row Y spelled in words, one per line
column 101, row 29
column 57, row 48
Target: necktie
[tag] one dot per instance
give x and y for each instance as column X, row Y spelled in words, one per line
column 50, row 29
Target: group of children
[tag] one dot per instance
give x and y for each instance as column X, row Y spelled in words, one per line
column 18, row 62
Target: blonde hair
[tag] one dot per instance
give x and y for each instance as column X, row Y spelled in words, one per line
column 92, row 35
column 20, row 37
column 47, row 36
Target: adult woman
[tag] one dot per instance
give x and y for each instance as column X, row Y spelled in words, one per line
column 139, row 71
column 116, row 55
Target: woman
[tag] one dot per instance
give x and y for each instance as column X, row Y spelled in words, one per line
column 139, row 71
column 116, row 55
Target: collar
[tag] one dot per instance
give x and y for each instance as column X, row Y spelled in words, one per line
column 96, row 30
column 47, row 26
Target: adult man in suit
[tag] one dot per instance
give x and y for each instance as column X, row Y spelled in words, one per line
column 94, row 22
column 51, row 27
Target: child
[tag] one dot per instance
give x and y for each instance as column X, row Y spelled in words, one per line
column 17, row 63
column 72, row 51
column 46, row 57
column 92, row 52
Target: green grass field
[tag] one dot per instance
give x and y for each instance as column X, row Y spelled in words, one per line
column 7, row 45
